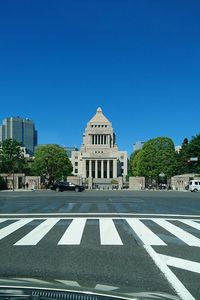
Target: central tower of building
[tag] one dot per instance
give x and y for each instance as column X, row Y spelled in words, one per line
column 99, row 157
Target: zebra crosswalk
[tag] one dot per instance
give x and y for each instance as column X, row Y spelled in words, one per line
column 152, row 232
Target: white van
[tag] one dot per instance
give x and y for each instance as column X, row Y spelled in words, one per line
column 194, row 185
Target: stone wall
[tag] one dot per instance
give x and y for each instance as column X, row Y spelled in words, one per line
column 136, row 183
column 75, row 179
column 20, row 181
column 34, row 182
column 179, row 182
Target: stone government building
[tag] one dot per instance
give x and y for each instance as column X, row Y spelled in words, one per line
column 99, row 161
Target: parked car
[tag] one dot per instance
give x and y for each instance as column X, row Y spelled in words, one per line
column 67, row 186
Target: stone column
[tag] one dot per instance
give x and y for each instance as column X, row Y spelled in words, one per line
column 96, row 169
column 90, row 168
column 102, row 168
column 120, row 182
column 90, row 183
column 115, row 168
column 108, row 169
column 84, row 168
column 108, row 140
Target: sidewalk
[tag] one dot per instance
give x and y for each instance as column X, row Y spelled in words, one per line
column 16, row 190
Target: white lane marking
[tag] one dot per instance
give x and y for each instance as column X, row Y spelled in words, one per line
column 103, row 217
column 186, row 237
column 97, row 214
column 108, row 233
column 180, row 289
column 191, row 223
column 33, row 237
column 3, row 220
column 181, row 263
column 74, row 232
column 144, row 233
column 13, row 227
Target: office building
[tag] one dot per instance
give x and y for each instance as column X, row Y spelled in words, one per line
column 21, row 130
column 69, row 151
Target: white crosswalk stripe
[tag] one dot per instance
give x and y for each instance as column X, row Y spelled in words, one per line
column 73, row 233
column 108, row 232
column 33, row 237
column 186, row 237
column 13, row 227
column 191, row 224
column 144, row 233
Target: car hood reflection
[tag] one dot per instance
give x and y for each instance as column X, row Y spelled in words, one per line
column 7, row 284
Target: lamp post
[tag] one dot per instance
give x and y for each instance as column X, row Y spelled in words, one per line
column 162, row 175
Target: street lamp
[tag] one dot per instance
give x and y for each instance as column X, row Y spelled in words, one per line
column 162, row 175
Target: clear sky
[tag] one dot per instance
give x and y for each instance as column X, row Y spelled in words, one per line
column 138, row 60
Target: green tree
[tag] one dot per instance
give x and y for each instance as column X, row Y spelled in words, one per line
column 157, row 156
column 11, row 157
column 189, row 150
column 133, row 163
column 51, row 163
column 183, row 157
column 2, row 183
column 194, row 151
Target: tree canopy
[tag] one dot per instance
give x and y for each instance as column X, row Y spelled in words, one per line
column 156, row 157
column 193, row 151
column 133, row 163
column 189, row 150
column 11, row 157
column 51, row 163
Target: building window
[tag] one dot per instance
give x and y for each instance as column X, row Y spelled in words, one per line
column 76, row 171
column 76, row 163
column 76, row 157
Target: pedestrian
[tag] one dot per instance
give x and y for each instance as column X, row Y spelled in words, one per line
column 27, row 185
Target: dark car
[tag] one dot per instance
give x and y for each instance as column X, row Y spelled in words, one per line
column 67, row 186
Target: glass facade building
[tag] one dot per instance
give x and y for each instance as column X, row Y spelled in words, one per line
column 21, row 130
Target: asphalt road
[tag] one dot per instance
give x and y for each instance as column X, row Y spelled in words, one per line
column 146, row 241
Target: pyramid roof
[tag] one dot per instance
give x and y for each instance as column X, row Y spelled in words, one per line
column 99, row 117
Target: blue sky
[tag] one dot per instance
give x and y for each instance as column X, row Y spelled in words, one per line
column 138, row 60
